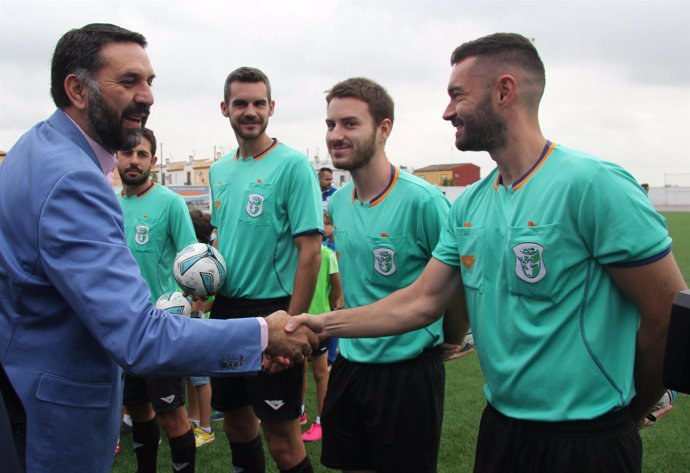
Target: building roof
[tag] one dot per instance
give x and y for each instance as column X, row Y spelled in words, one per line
column 202, row 163
column 176, row 166
column 442, row 167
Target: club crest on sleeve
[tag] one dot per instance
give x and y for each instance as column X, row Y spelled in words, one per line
column 255, row 205
column 141, row 236
column 529, row 262
column 384, row 261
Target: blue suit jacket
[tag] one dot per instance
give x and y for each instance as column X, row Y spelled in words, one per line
column 74, row 308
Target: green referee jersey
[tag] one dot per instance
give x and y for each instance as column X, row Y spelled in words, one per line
column 383, row 245
column 157, row 226
column 260, row 205
column 555, row 337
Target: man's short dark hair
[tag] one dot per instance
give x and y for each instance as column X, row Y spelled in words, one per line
column 78, row 52
column 324, row 170
column 380, row 103
column 148, row 134
column 202, row 225
column 246, row 74
column 503, row 48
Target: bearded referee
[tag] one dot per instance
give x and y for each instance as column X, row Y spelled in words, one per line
column 567, row 271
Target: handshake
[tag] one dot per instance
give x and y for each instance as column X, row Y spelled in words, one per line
column 290, row 339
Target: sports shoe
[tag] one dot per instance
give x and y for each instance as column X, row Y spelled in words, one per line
column 217, row 415
column 202, row 438
column 303, row 417
column 313, row 434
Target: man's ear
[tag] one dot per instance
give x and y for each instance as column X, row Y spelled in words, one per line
column 506, row 89
column 385, row 128
column 77, row 91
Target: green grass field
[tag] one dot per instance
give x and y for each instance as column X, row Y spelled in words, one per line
column 665, row 444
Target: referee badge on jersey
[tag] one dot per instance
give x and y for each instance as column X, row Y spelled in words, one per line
column 141, row 235
column 255, row 205
column 529, row 262
column 384, row 261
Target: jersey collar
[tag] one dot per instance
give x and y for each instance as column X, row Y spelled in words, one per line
column 274, row 143
column 545, row 153
column 395, row 174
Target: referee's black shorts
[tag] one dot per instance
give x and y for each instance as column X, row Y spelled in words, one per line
column 610, row 443
column 384, row 416
column 164, row 394
column 275, row 397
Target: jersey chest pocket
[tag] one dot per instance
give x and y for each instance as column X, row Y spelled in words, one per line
column 535, row 261
column 472, row 249
column 147, row 233
column 389, row 262
column 258, row 204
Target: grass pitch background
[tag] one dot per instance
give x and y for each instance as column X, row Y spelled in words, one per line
column 666, row 448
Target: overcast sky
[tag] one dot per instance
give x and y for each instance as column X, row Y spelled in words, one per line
column 617, row 72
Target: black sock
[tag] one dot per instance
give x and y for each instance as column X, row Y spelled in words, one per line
column 302, row 467
column 249, row 456
column 145, row 436
column 183, row 452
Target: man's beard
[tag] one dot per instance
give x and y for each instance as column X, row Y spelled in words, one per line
column 237, row 128
column 362, row 153
column 484, row 130
column 134, row 181
column 107, row 124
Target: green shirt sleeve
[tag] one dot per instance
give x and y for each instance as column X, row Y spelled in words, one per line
column 616, row 219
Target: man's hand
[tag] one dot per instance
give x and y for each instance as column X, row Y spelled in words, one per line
column 315, row 323
column 653, row 417
column 295, row 345
column 270, row 364
column 452, row 351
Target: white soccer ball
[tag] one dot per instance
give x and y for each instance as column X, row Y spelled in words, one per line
column 175, row 303
column 199, row 269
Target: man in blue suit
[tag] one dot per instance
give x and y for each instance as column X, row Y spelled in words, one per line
column 74, row 309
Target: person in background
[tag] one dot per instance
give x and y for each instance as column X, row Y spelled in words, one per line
column 199, row 387
column 328, row 295
column 326, row 184
column 157, row 227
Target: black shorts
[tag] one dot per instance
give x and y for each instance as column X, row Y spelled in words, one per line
column 164, row 394
column 608, row 443
column 275, row 397
column 384, row 417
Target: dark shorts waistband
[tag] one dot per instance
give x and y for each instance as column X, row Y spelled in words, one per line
column 611, row 421
column 224, row 307
column 426, row 353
